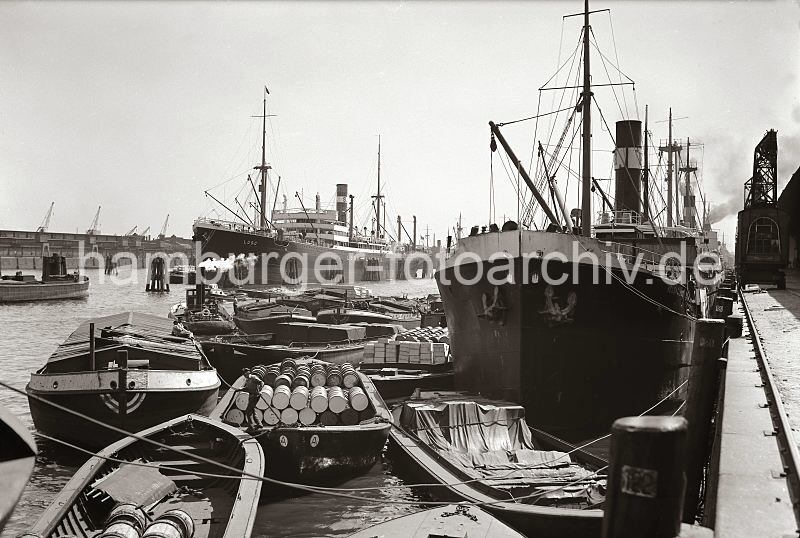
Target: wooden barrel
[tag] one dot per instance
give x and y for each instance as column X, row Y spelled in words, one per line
column 349, row 376
column 272, row 372
column 171, row 524
column 328, row 418
column 336, row 400
column 235, row 416
column 307, row 416
column 334, row 376
column 242, row 399
column 348, row 417
column 125, row 521
column 283, row 379
column 319, row 399
column 281, row 396
column 299, row 398
column 289, row 416
column 271, row 416
column 266, row 398
column 358, row 398
column 318, row 376
column 301, row 380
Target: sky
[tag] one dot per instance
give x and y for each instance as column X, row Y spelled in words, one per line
column 141, row 107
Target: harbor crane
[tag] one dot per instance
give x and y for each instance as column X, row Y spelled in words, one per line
column 163, row 233
column 92, row 230
column 46, row 221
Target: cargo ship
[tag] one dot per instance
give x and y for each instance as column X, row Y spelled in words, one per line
column 284, row 246
column 534, row 320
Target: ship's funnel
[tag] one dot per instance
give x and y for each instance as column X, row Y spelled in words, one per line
column 628, row 159
column 341, row 202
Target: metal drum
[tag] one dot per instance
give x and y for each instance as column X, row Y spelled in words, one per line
column 299, row 398
column 266, row 398
column 171, row 524
column 242, row 399
column 281, row 397
column 125, row 521
column 336, row 400
column 319, row 399
column 328, row 418
column 318, row 376
column 307, row 416
column 271, row 416
column 235, row 416
column 358, row 399
column 289, row 416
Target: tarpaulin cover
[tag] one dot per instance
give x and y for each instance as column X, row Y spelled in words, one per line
column 489, row 442
column 136, row 484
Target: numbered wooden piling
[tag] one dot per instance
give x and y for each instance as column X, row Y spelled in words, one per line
column 646, row 479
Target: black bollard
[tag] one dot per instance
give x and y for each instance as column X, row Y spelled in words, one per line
column 646, row 480
column 709, row 337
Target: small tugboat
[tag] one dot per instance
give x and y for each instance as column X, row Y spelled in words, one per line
column 131, row 373
column 482, row 451
column 183, row 274
column 176, row 475
column 55, row 283
column 450, row 520
column 17, row 458
column 318, row 423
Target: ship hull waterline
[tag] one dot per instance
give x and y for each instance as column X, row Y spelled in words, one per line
column 575, row 355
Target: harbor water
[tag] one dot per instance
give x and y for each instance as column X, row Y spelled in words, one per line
column 31, row 331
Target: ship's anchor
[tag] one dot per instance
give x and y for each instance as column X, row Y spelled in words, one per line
column 495, row 311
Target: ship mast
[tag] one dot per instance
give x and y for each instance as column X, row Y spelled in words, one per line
column 264, row 166
column 378, row 197
column 586, row 200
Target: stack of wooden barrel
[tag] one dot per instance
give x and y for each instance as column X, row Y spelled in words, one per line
column 307, row 393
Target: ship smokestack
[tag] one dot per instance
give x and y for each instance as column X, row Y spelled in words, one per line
column 628, row 166
column 341, row 202
column 318, row 204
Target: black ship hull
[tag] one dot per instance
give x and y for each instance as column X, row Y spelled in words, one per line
column 270, row 265
column 575, row 355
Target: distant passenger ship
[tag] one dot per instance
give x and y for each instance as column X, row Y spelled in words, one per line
column 293, row 240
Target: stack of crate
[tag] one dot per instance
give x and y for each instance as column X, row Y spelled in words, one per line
column 386, row 351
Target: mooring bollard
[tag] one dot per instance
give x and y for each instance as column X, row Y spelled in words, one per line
column 709, row 337
column 646, row 480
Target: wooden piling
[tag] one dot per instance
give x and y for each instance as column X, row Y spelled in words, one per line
column 709, row 337
column 92, row 360
column 122, row 364
column 157, row 278
column 646, row 480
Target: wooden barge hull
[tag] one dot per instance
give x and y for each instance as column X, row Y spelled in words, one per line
column 21, row 292
column 322, row 456
column 218, row 507
column 543, row 522
column 145, row 408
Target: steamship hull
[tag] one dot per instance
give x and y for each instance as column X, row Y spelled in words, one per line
column 280, row 262
column 577, row 354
